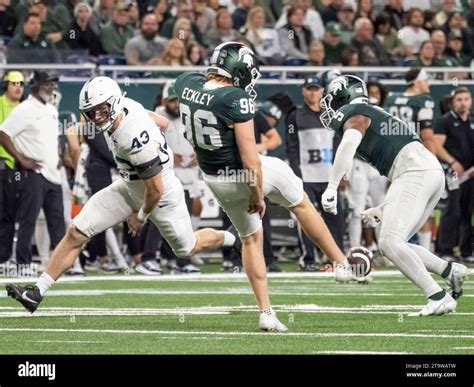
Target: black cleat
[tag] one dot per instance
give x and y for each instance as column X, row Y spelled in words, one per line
column 29, row 296
column 237, row 246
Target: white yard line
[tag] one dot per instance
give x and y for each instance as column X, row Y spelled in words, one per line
column 67, row 341
column 360, row 353
column 214, row 333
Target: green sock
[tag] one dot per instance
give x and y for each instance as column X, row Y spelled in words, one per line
column 438, row 296
column 446, row 271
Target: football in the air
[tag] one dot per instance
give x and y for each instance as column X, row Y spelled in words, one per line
column 360, row 260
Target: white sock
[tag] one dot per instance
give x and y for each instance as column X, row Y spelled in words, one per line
column 269, row 311
column 424, row 239
column 355, row 230
column 432, row 263
column 44, row 283
column 229, row 239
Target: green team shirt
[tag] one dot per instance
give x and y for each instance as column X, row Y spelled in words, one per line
column 415, row 110
column 208, row 116
column 384, row 138
column 5, row 109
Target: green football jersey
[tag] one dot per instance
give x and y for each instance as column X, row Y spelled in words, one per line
column 415, row 110
column 384, row 138
column 208, row 115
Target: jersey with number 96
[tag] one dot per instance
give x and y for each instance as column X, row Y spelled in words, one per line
column 208, row 116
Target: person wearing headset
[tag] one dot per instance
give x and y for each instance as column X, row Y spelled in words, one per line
column 13, row 84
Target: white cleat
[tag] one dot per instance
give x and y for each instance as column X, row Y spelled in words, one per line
column 455, row 280
column 343, row 273
column 435, row 308
column 270, row 323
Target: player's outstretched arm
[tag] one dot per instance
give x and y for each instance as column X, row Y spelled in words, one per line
column 354, row 129
column 161, row 121
column 245, row 138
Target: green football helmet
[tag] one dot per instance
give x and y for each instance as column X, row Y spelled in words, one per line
column 341, row 91
column 238, row 62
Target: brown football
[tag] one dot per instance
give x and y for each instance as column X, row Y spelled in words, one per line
column 360, row 260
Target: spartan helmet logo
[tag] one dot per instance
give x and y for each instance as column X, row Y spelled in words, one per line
column 245, row 55
column 338, row 84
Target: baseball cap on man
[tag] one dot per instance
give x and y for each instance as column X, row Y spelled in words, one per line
column 312, row 81
column 169, row 91
column 14, row 77
column 333, row 28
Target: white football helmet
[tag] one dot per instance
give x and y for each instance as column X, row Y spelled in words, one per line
column 101, row 102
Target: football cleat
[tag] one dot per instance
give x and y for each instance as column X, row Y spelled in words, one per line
column 437, row 307
column 149, row 268
column 455, row 280
column 270, row 323
column 343, row 273
column 29, row 296
column 187, row 269
column 237, row 246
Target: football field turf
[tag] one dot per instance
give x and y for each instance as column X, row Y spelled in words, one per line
column 216, row 314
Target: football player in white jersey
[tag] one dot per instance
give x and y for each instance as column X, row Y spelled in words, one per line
column 148, row 189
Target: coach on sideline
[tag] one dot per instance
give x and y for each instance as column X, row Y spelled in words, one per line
column 14, row 87
column 30, row 135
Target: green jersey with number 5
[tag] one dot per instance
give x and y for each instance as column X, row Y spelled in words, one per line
column 208, row 116
column 384, row 138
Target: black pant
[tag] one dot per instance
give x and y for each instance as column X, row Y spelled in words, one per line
column 34, row 193
column 335, row 223
column 455, row 227
column 8, row 203
column 98, row 178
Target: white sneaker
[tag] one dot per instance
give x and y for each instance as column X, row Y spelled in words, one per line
column 197, row 261
column 270, row 323
column 187, row 269
column 455, row 279
column 149, row 268
column 435, row 308
column 343, row 273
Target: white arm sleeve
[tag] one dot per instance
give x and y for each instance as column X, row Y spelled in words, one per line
column 344, row 155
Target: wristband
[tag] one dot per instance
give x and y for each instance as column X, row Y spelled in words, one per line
column 142, row 216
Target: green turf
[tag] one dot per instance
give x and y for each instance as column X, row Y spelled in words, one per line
column 165, row 323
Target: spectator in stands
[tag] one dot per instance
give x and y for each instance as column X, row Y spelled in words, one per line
column 350, row 57
column 175, row 54
column 221, row 30
column 454, row 51
column 345, row 17
column 30, row 135
column 413, row 34
column 162, row 11
column 239, row 17
column 116, row 32
column 14, row 87
column 183, row 30
column 194, row 54
column 396, row 14
column 438, row 38
column 8, row 20
column 145, row 48
column 456, row 23
column 371, row 52
column 317, row 55
column 184, row 10
column 428, row 23
column 63, row 12
column 133, row 16
column 454, row 137
column 51, row 27
column 365, row 8
column 203, row 15
column 426, row 57
column 29, row 44
column 333, row 47
column 329, row 13
column 312, row 19
column 265, row 41
column 80, row 35
column 388, row 37
column 295, row 38
column 441, row 17
column 102, row 13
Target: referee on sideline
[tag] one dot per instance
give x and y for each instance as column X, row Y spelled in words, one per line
column 13, row 87
column 30, row 135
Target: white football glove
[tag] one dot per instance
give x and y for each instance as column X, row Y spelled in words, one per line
column 329, row 201
column 372, row 216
